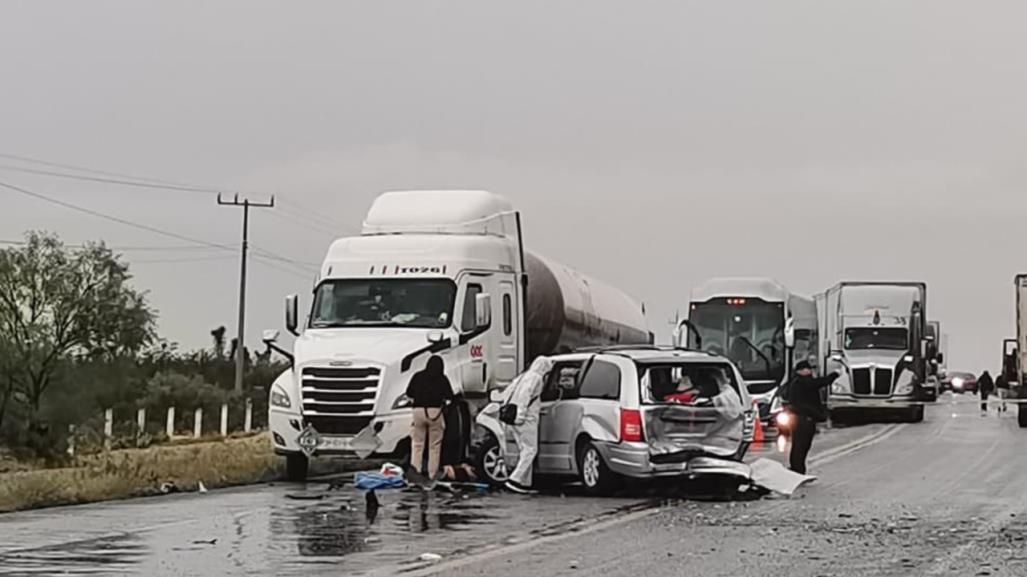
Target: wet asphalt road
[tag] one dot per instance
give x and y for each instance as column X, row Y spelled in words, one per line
column 943, row 497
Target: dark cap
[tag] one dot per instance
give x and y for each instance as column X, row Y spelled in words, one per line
column 803, row 366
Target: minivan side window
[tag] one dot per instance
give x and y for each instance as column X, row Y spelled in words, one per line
column 468, row 321
column 562, row 382
column 601, row 381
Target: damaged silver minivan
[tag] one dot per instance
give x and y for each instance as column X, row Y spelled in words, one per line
column 632, row 412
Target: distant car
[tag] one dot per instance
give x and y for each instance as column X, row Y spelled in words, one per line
column 959, row 382
column 632, row 412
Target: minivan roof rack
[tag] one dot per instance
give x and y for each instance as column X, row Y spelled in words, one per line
column 639, row 347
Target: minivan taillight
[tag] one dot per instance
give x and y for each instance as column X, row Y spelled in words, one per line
column 631, row 426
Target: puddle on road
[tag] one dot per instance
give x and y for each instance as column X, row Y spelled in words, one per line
column 109, row 555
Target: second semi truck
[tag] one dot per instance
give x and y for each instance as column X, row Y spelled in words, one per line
column 876, row 337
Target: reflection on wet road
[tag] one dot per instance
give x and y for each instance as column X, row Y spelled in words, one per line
column 306, row 530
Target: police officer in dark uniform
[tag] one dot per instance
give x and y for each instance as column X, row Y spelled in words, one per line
column 806, row 404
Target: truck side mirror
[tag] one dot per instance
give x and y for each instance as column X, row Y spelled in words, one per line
column 292, row 314
column 923, row 349
column 483, row 310
column 790, row 333
column 941, row 358
column 270, row 336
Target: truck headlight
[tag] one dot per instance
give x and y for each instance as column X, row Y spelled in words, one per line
column 279, row 398
column 904, row 386
column 402, row 402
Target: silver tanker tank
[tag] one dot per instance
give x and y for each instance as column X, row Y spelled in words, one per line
column 566, row 310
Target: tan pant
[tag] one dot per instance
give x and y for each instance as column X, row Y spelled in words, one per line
column 427, row 427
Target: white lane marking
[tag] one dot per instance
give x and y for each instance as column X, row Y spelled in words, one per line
column 500, row 550
column 849, row 448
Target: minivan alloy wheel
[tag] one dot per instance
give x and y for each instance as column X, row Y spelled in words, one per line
column 590, row 467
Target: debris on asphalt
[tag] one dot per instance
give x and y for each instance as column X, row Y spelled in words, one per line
column 430, row 557
column 305, row 496
column 775, row 477
column 168, row 487
column 206, row 542
column 201, row 488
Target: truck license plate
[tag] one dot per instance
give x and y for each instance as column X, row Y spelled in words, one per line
column 335, row 443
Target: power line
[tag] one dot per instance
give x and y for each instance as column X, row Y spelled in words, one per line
column 112, row 218
column 125, row 179
column 271, row 264
column 53, row 164
column 106, row 180
column 179, row 260
column 183, row 248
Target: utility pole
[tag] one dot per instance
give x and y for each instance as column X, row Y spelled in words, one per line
column 240, row 348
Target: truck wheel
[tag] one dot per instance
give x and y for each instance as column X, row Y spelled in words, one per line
column 489, row 463
column 1021, row 416
column 597, row 478
column 296, row 468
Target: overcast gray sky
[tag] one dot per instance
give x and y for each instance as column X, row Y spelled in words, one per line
column 650, row 144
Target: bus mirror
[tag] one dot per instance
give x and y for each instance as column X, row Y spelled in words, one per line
column 790, row 333
column 292, row 314
column 270, row 336
column 483, row 310
column 434, row 336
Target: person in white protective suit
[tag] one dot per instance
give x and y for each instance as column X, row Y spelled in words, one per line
column 525, row 393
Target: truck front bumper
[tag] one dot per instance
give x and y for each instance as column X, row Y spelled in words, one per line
column 848, row 402
column 389, row 431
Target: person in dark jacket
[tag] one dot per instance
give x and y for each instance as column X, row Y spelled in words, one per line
column 806, row 404
column 985, row 386
column 429, row 390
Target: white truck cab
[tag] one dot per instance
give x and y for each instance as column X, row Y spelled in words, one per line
column 433, row 272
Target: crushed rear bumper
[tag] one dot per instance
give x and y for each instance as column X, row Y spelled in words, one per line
column 633, row 460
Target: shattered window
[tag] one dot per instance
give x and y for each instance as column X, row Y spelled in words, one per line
column 684, row 382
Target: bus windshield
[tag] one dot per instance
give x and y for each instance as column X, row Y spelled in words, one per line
column 750, row 332
column 415, row 303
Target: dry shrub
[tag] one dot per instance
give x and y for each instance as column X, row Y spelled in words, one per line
column 137, row 472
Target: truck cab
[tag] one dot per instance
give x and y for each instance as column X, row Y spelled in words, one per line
column 877, row 341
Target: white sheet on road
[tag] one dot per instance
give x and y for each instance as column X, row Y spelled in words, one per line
column 775, row 477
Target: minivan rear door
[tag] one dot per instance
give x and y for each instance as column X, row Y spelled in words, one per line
column 691, row 409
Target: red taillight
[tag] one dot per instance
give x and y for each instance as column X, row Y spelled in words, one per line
column 631, row 426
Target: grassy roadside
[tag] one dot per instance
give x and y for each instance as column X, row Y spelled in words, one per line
column 140, row 472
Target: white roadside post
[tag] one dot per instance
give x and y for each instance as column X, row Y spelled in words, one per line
column 198, row 423
column 224, row 419
column 108, row 428
column 71, row 440
column 141, row 420
column 169, row 428
column 248, row 425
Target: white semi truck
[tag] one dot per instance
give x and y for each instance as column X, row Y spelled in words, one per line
column 433, row 272
column 1014, row 354
column 757, row 323
column 876, row 338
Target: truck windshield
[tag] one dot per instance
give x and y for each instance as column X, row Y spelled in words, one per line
column 893, row 339
column 415, row 303
column 750, row 333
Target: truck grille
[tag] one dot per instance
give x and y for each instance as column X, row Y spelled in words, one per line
column 877, row 383
column 861, row 381
column 882, row 382
column 339, row 401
